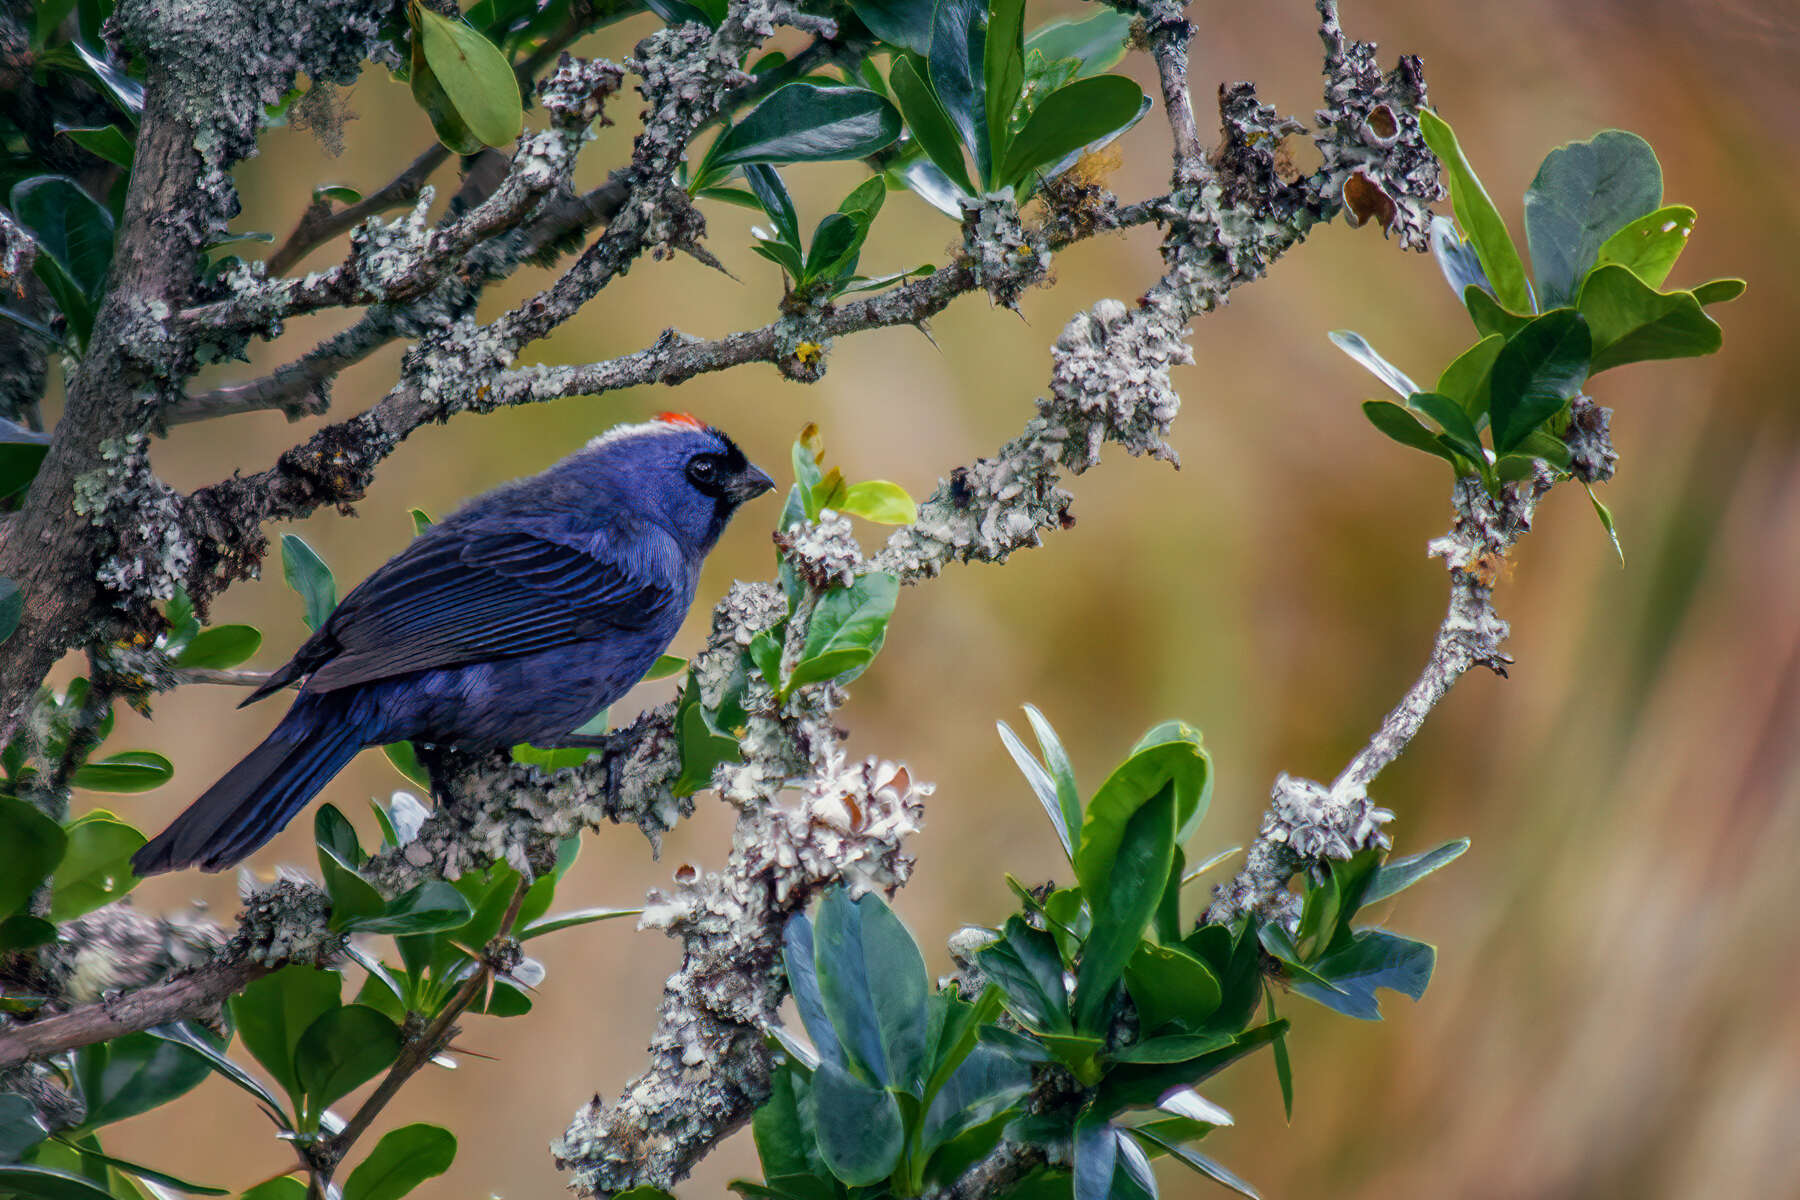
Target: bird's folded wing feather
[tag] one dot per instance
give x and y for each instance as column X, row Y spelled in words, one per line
column 472, row 597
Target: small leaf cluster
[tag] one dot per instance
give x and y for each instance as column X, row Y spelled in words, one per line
column 825, row 268
column 462, row 81
column 1602, row 246
column 896, row 1092
column 1100, row 1009
column 846, row 627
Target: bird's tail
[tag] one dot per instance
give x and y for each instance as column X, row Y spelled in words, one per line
column 260, row 795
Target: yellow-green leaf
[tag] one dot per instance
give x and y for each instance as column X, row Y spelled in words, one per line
column 880, row 501
column 473, row 74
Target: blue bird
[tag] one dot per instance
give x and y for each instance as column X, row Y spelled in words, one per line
column 517, row 619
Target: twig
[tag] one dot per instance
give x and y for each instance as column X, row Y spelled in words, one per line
column 319, row 224
column 249, row 679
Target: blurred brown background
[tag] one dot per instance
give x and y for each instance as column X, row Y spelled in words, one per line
column 1612, row 1013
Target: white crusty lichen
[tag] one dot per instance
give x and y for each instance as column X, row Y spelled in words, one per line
column 824, row 552
column 144, row 552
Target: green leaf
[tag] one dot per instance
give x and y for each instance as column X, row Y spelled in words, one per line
column 1028, row 968
column 665, row 666
column 284, row 1188
column 859, row 1127
column 1056, row 761
column 431, row 907
column 1399, row 874
column 902, row 23
column 402, row 1160
column 1489, row 317
column 1649, row 246
column 1171, row 752
column 1068, row 119
column 220, row 647
column 405, row 759
column 703, row 745
column 873, row 984
column 108, row 142
column 1373, row 959
column 204, row 1045
column 92, row 1159
column 1457, row 426
column 132, row 771
column 879, row 501
column 1469, row 377
column 804, row 122
column 1719, row 291
column 1123, row 898
column 1096, row 43
column 430, row 95
column 1633, row 322
column 1003, row 70
column 1606, row 522
column 96, row 867
column 1479, row 219
column 69, row 227
column 848, row 628
column 983, row 1086
column 1584, row 193
column 834, row 245
column 1170, row 987
column 800, row 960
column 1537, row 372
column 569, row 920
column 341, row 1050
column 20, row 1128
column 1180, row 1047
column 272, row 1012
column 786, row 1142
column 22, row 931
column 1358, row 348
column 1134, row 1084
column 473, row 73
column 1199, row 1162
column 307, row 574
column 343, row 195
column 1284, row 1066
column 31, row 845
column 45, row 1183
column 134, row 1074
column 927, row 121
column 772, row 196
column 954, row 66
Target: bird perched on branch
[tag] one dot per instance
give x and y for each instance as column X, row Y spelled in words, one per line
column 517, row 619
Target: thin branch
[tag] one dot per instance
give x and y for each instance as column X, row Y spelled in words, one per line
column 319, row 224
column 249, row 679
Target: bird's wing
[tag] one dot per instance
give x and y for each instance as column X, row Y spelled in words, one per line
column 470, row 597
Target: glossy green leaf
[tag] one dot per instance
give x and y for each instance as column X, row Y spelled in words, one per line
column 131, row 771
column 208, row 1048
column 341, row 1050
column 1096, row 43
column 1284, row 1065
column 1468, row 379
column 703, row 745
column 1170, row 987
column 879, row 501
column 786, row 1141
column 1719, row 291
column 405, row 759
column 285, row 1188
column 1538, row 371
column 954, row 68
column 834, row 245
column 1043, row 787
column 20, row 1128
column 402, row 1160
column 1649, row 246
column 473, row 73
column 569, row 920
column 134, row 1074
column 1374, row 959
column 1456, row 258
column 1144, row 1084
column 926, row 120
column 859, row 1127
column 96, row 866
column 1358, row 348
column 430, row 96
column 1399, row 874
column 93, row 1159
column 1174, row 1048
column 873, row 984
column 1633, row 322
column 1172, row 752
column 1003, row 71
column 1584, row 193
column 983, row 1086
column 1457, row 426
column 902, row 23
column 31, row 845
column 46, row 1183
column 21, row 931
column 665, row 666
column 431, row 907
column 772, row 195
column 1068, row 119
column 1123, row 899
column 1028, row 968
column 1476, row 214
column 804, row 122
column 1199, row 1162
column 343, row 195
column 799, row 958
column 1606, row 522
column 308, row 575
column 1489, row 317
column 68, row 225
column 220, row 647
column 272, row 1012
column 848, row 628
column 103, row 141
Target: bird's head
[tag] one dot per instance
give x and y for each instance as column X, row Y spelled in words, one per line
column 683, row 473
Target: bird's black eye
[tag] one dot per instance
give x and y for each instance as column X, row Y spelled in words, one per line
column 703, row 471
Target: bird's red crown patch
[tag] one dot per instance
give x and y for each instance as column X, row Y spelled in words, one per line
column 675, row 418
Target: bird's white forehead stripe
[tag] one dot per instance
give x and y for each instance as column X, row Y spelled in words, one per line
column 619, row 433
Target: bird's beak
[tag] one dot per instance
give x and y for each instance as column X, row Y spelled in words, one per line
column 750, row 484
